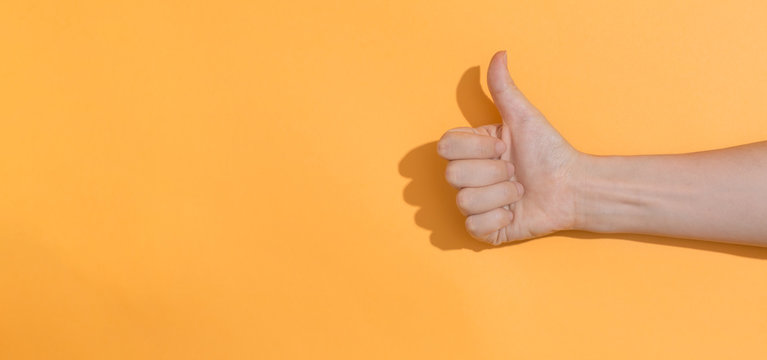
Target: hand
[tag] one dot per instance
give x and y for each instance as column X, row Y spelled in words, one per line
column 517, row 179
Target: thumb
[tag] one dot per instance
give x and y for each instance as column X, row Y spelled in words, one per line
column 511, row 103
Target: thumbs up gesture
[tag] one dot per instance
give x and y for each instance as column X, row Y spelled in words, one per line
column 517, row 179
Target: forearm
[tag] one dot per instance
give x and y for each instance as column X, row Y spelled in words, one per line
column 718, row 195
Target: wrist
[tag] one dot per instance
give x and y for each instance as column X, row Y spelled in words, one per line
column 582, row 201
column 607, row 196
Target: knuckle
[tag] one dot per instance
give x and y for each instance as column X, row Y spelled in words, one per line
column 471, row 225
column 464, row 199
column 452, row 173
column 474, row 145
column 443, row 146
column 493, row 238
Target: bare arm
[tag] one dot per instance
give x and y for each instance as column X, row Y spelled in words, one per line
column 718, row 195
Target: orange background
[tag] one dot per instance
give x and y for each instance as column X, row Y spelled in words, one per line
column 251, row 179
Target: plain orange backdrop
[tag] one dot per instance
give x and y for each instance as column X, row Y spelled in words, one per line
column 257, row 180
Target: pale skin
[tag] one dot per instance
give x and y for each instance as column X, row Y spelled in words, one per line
column 521, row 179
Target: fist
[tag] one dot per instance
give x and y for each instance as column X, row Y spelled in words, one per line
column 517, row 180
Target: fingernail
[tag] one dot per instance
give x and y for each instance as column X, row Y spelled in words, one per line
column 510, row 168
column 500, row 147
column 520, row 189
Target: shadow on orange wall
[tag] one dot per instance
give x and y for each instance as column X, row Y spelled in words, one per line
column 436, row 199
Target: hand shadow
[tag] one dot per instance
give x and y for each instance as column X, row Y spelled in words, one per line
column 438, row 211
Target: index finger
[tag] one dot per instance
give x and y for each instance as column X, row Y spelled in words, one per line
column 459, row 145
